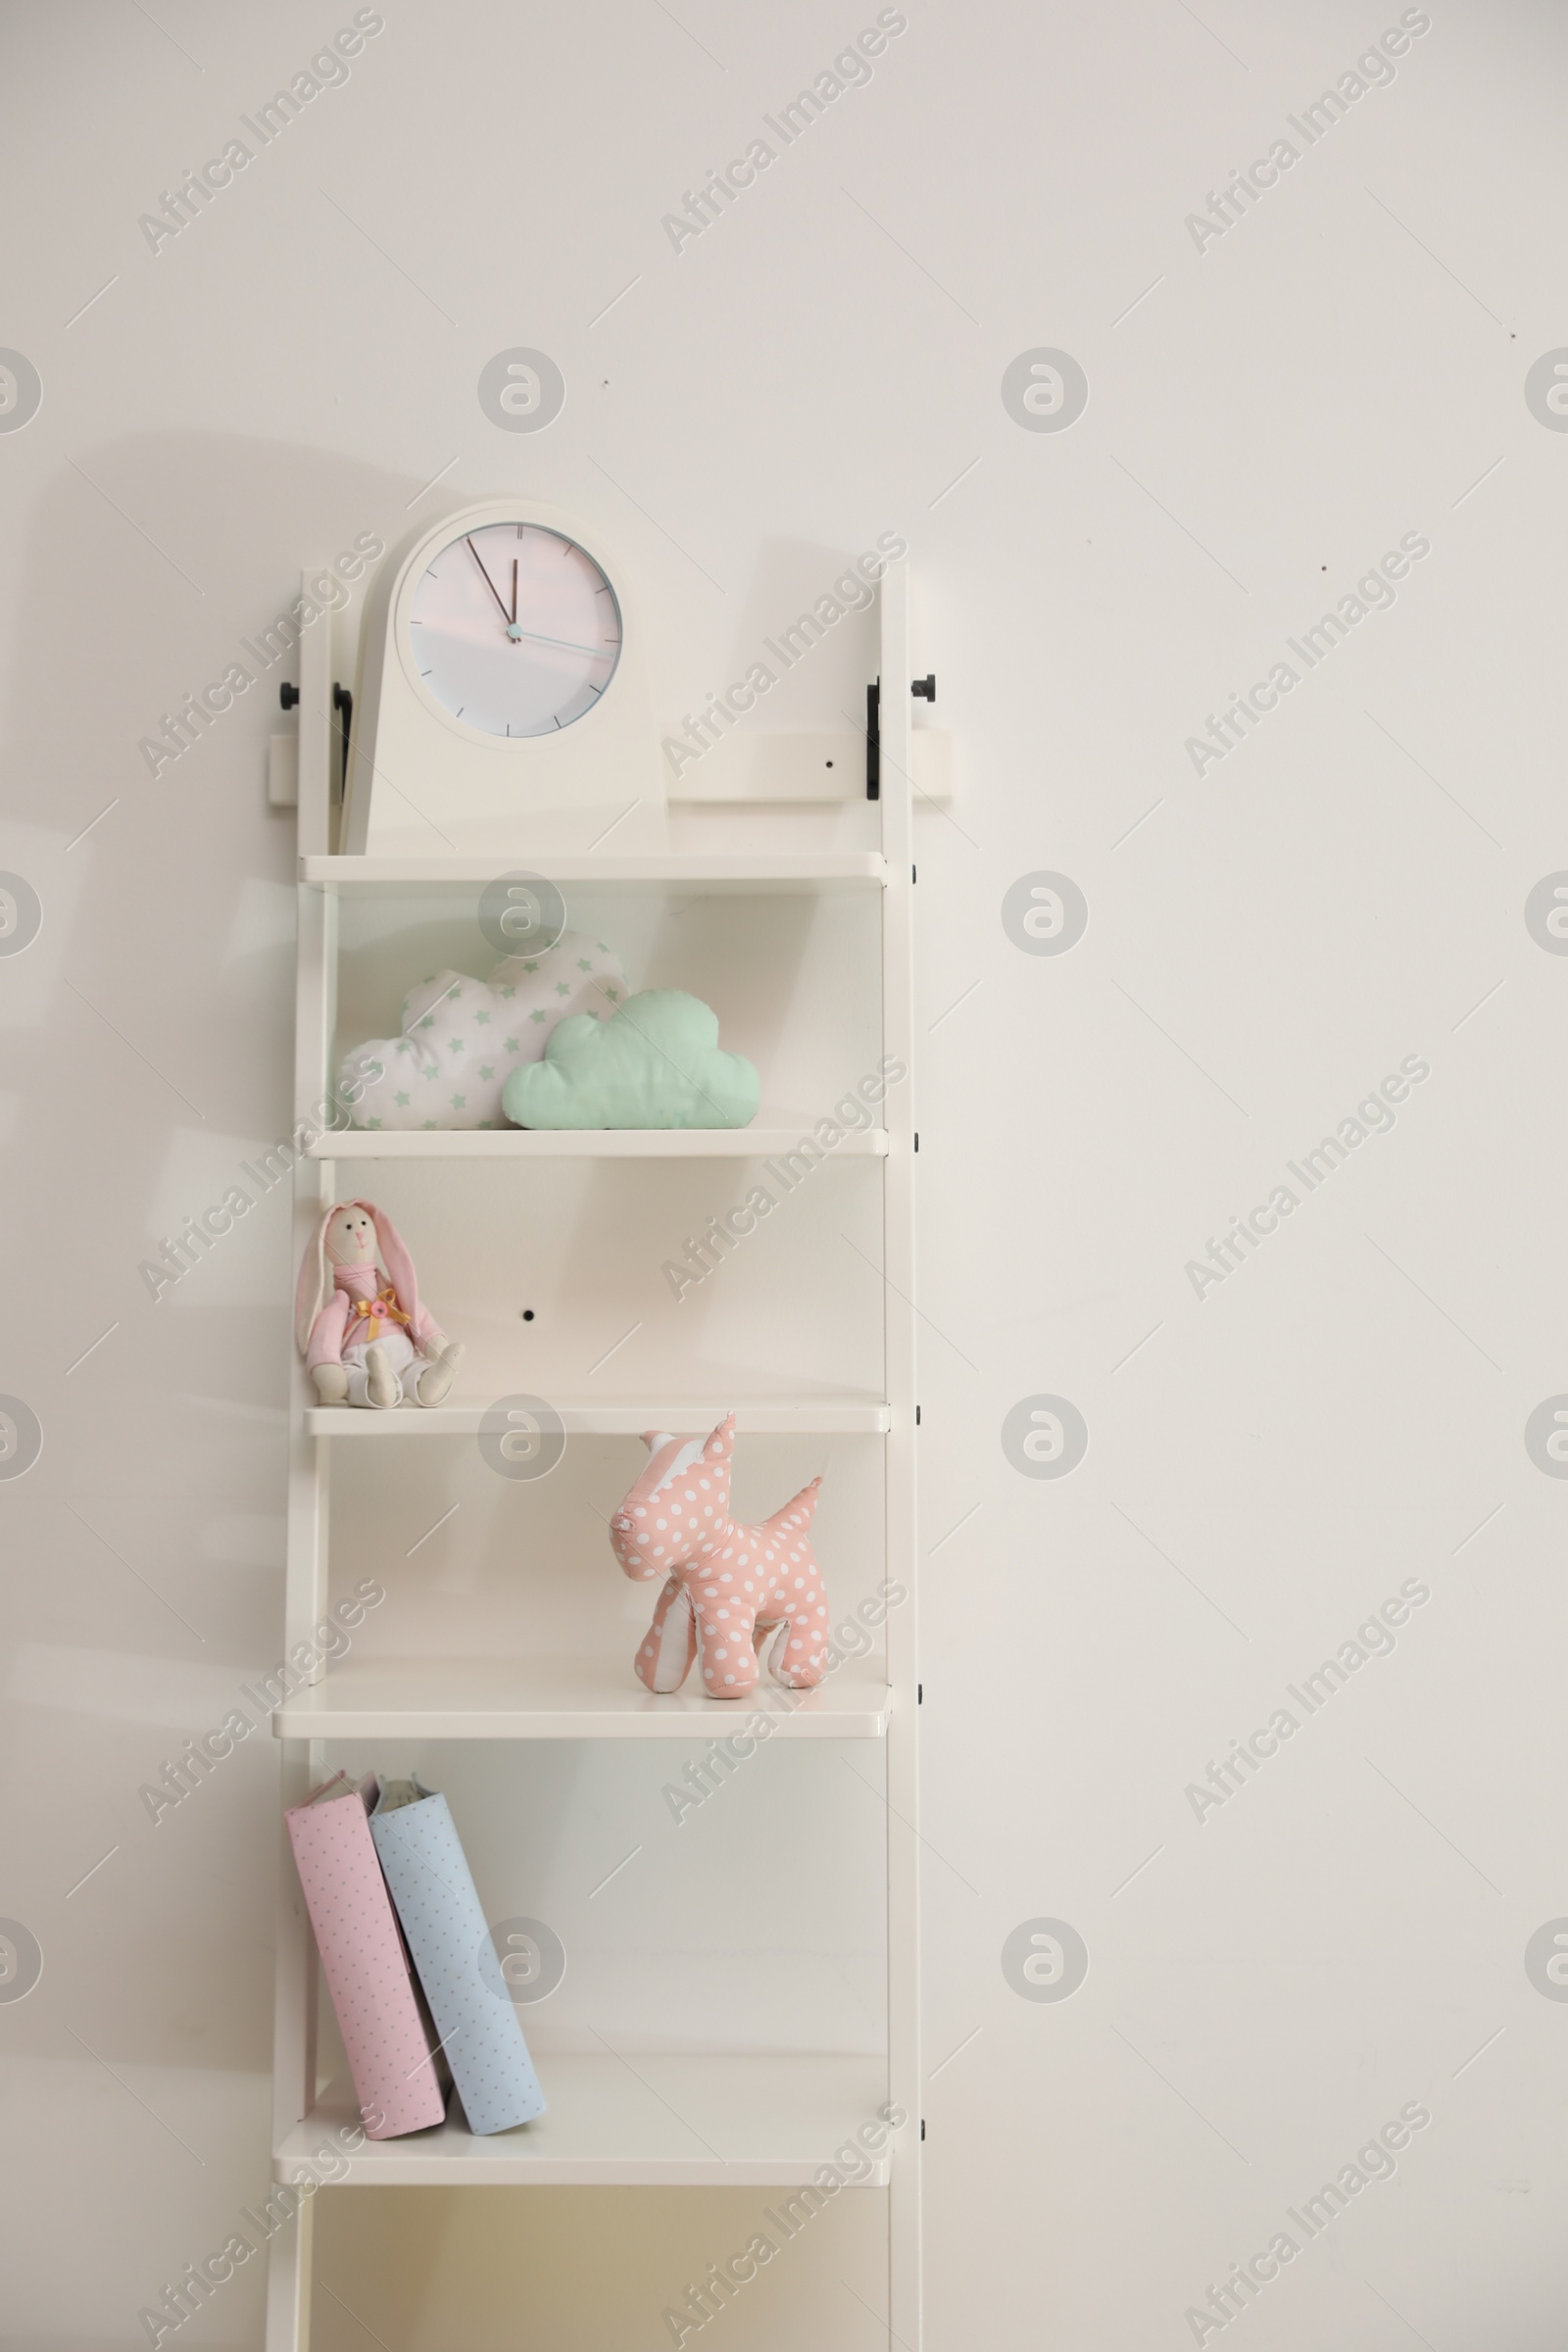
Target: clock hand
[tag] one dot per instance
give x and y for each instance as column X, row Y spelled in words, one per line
column 488, row 581
column 564, row 643
column 513, row 591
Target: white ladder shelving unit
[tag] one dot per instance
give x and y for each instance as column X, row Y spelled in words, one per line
column 774, row 2117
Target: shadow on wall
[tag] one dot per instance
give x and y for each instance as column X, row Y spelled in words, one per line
column 152, row 1019
column 149, row 1047
column 149, row 1053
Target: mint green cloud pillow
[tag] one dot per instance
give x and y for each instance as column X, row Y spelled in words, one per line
column 654, row 1064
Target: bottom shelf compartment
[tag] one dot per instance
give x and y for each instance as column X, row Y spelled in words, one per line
column 669, row 2119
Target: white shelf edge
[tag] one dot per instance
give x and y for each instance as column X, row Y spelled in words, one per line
column 571, row 1698
column 824, row 869
column 586, row 1142
column 783, row 1417
column 642, row 2143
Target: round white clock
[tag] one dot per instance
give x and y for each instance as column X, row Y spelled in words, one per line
column 513, row 629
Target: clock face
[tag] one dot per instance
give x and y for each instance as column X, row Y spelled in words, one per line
column 515, row 630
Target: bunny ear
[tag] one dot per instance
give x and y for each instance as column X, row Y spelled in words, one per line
column 311, row 1295
column 396, row 1259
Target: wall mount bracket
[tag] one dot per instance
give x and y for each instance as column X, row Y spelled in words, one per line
column 923, row 689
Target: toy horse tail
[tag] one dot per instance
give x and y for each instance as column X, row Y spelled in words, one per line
column 802, row 1507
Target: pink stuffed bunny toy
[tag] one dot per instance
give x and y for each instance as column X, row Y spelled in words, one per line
column 364, row 1335
column 729, row 1586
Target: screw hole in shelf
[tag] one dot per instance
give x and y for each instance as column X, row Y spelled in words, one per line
column 527, row 1315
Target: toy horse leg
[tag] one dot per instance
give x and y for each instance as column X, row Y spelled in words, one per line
column 794, row 1654
column 665, row 1657
column 725, row 1646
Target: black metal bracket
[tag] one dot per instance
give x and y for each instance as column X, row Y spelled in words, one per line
column 343, row 704
column 924, row 690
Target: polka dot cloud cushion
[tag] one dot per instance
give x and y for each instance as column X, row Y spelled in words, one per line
column 461, row 1039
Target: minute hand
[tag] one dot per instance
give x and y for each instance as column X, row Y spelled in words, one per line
column 564, row 643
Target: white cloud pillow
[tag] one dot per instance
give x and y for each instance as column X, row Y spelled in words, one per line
column 463, row 1038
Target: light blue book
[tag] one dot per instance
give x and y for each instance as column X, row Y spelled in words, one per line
column 438, row 1910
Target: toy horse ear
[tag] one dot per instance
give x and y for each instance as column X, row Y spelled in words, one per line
column 311, row 1296
column 717, row 1454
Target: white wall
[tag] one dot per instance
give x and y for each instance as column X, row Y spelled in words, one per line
column 1343, row 366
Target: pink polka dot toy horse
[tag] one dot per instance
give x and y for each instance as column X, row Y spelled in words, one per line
column 732, row 1590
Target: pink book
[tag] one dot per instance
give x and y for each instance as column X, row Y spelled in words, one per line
column 389, row 2047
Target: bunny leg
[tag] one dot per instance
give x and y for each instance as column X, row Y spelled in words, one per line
column 332, row 1384
column 434, row 1381
column 665, row 1657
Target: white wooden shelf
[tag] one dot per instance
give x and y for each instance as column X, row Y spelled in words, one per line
column 617, row 2116
column 770, row 1418
column 648, row 2120
column 586, row 1143
column 566, row 1698
column 720, row 876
